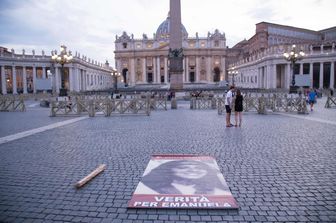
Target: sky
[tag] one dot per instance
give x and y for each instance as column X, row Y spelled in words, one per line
column 90, row 27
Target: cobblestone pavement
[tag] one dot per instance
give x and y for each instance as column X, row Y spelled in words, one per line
column 34, row 117
column 279, row 168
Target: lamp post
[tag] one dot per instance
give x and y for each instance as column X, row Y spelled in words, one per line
column 115, row 76
column 63, row 58
column 233, row 73
column 293, row 56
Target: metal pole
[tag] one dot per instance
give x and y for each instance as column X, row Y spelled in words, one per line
column 63, row 91
column 293, row 75
column 115, row 83
column 63, row 81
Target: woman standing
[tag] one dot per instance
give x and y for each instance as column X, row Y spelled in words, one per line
column 238, row 108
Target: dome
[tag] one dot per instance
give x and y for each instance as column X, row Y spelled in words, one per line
column 163, row 31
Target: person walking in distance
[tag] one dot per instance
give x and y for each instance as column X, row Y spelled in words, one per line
column 238, row 108
column 312, row 99
column 228, row 106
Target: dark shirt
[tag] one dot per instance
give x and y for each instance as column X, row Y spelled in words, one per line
column 239, row 103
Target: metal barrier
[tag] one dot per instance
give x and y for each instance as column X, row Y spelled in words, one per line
column 203, row 103
column 100, row 106
column 275, row 103
column 158, row 103
column 331, row 101
column 12, row 103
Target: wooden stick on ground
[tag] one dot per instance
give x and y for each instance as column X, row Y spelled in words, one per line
column 89, row 177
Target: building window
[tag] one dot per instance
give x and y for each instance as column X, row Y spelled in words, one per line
column 124, row 45
column 202, row 44
column 216, row 43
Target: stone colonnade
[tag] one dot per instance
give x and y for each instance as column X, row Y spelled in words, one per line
column 270, row 70
column 32, row 74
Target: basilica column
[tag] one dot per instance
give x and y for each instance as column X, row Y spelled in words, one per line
column 166, row 69
column 332, row 75
column 132, row 72
column 154, row 69
column 3, row 80
column 144, row 70
column 321, row 76
column 158, row 71
column 208, row 73
column 311, row 74
column 24, row 77
column 198, row 73
column 288, row 76
column 14, row 80
column 222, row 77
column 34, row 78
column 186, row 71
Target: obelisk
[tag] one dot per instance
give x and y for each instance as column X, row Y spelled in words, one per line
column 175, row 46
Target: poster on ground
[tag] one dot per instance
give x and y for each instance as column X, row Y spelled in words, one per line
column 182, row 182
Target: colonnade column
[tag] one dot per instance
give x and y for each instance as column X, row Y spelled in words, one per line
column 184, row 68
column 166, row 69
column 3, row 80
column 301, row 68
column 79, row 79
column 268, row 76
column 259, row 78
column 288, row 76
column 84, row 80
column 186, row 71
column 332, row 75
column 71, row 78
column 321, row 76
column 14, row 80
column 34, row 78
column 24, row 77
column 43, row 72
column 311, row 65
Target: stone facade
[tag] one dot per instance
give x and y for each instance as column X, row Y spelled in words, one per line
column 31, row 73
column 145, row 61
column 260, row 62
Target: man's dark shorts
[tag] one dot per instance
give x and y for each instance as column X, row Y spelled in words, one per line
column 228, row 109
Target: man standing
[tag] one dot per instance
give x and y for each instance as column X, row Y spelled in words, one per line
column 228, row 106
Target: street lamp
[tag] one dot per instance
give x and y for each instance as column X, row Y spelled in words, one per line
column 63, row 58
column 293, row 56
column 233, row 73
column 115, row 76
